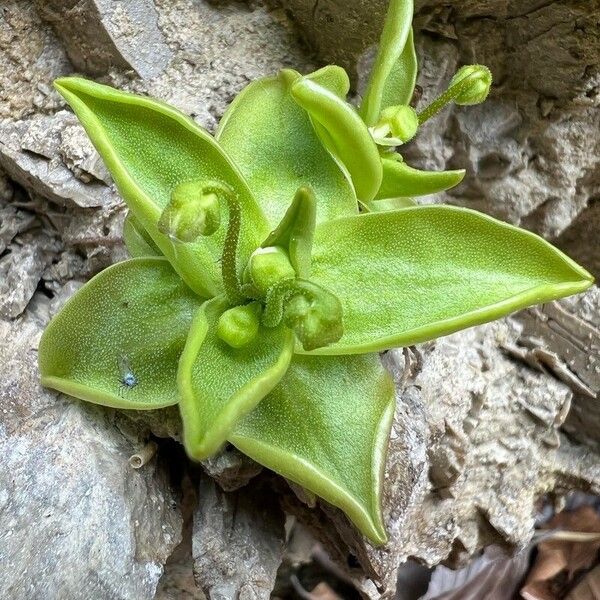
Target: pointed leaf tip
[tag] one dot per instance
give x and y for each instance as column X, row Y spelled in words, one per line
column 150, row 148
column 423, row 272
column 219, row 384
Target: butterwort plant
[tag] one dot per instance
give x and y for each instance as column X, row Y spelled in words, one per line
column 272, row 262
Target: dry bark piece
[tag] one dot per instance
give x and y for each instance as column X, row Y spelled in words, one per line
column 237, row 542
column 12, row 222
column 30, row 58
column 21, row 268
column 588, row 588
column 563, row 338
column 231, row 469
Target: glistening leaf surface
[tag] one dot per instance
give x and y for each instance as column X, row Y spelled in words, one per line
column 419, row 273
column 400, row 179
column 137, row 240
column 325, row 427
column 150, row 148
column 347, row 137
column 275, row 146
column 400, row 83
column 219, row 384
column 394, row 39
column 117, row 341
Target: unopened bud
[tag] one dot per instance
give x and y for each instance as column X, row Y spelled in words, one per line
column 239, row 325
column 477, row 83
column 268, row 266
column 315, row 315
column 192, row 211
column 402, row 121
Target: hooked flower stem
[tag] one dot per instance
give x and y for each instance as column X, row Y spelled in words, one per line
column 194, row 211
column 229, row 269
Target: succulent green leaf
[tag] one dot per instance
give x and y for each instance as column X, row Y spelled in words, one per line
column 326, row 427
column 150, row 148
column 400, row 180
column 274, row 144
column 137, row 240
column 391, row 60
column 117, row 341
column 348, row 137
column 390, row 204
column 296, row 231
column 400, row 83
column 219, row 384
column 334, row 78
column 415, row 274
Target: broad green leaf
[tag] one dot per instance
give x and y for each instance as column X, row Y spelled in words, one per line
column 334, row 78
column 137, row 240
column 150, row 148
column 390, row 204
column 400, row 83
column 218, row 384
column 117, row 341
column 273, row 142
column 326, row 427
column 415, row 274
column 399, row 179
column 348, row 137
column 393, row 41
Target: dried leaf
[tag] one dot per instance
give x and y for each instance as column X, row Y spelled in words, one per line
column 562, row 556
column 323, row 592
column 493, row 576
column 588, row 588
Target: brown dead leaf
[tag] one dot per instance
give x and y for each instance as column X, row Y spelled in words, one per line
column 559, row 560
column 588, row 588
column 494, row 576
column 323, row 592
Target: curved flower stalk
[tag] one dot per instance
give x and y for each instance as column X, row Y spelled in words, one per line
column 270, row 340
column 364, row 142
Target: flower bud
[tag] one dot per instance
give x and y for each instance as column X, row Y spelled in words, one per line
column 239, row 325
column 267, row 266
column 315, row 315
column 402, row 121
column 476, row 89
column 192, row 211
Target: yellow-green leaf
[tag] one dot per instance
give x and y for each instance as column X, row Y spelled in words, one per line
column 117, row 341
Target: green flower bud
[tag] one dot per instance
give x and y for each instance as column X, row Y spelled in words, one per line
column 267, row 266
column 402, row 121
column 239, row 325
column 192, row 211
column 315, row 315
column 477, row 83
